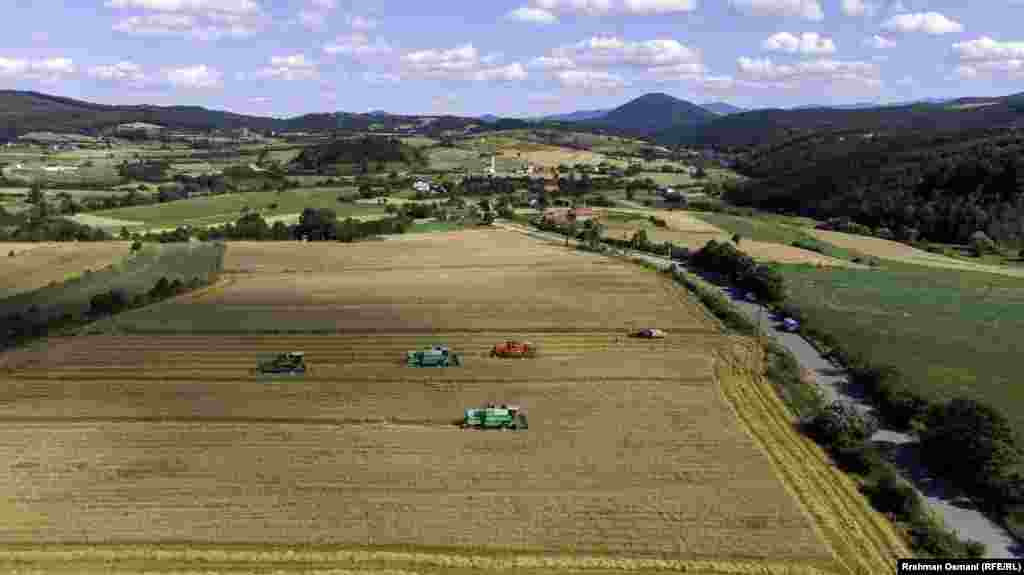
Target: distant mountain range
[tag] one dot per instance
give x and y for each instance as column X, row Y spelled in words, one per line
column 722, row 108
column 658, row 117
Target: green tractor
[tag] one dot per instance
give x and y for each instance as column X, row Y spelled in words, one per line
column 292, row 363
column 494, row 417
column 437, row 356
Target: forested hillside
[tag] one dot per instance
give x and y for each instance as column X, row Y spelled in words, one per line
column 942, row 186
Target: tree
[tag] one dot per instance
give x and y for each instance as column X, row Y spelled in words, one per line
column 592, row 234
column 571, row 217
column 736, row 239
column 841, row 425
column 969, row 441
column 700, row 173
column 35, row 195
column 981, row 244
column 125, row 234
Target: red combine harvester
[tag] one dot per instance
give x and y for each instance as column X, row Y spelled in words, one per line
column 520, row 349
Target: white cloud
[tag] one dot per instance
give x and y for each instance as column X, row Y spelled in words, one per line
column 807, row 9
column 986, row 48
column 48, row 70
column 659, row 6
column 547, row 11
column 879, row 42
column 197, row 6
column 312, row 19
column 793, row 75
column 124, row 71
column 200, row 19
column 359, row 46
column 587, row 7
column 858, row 8
column 511, row 73
column 459, row 63
column 532, row 15
column 591, row 80
column 606, row 52
column 199, row 76
column 986, row 56
column 806, row 43
column 258, row 100
column 552, row 63
column 294, row 67
column 928, row 22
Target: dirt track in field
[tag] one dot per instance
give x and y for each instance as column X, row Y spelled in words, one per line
column 644, row 455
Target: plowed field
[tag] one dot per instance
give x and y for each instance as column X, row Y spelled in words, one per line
column 165, row 452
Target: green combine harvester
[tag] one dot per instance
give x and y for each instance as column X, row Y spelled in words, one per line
column 293, row 363
column 437, row 356
column 493, row 417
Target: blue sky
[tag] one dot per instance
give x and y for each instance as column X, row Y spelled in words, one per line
column 513, row 58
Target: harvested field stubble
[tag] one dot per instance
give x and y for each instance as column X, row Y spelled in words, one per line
column 35, row 265
column 641, row 455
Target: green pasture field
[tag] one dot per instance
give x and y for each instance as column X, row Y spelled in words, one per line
column 228, row 207
column 953, row 333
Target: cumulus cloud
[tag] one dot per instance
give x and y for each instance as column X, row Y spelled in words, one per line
column 986, row 48
column 200, row 19
column 807, row 9
column 124, row 71
column 659, row 6
column 226, row 6
column 552, row 63
column 611, row 51
column 547, row 11
column 765, row 71
column 51, row 69
column 198, row 77
column 459, row 63
column 806, row 43
column 358, row 46
column 857, row 8
column 591, row 80
column 879, row 42
column 986, row 56
column 294, row 67
column 532, row 15
column 928, row 22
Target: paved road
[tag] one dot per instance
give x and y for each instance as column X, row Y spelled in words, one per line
column 958, row 513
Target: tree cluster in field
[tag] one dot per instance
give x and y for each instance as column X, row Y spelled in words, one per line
column 936, row 187
column 364, row 153
column 35, row 323
column 723, row 258
column 40, row 226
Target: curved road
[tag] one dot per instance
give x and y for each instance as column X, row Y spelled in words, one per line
column 955, row 509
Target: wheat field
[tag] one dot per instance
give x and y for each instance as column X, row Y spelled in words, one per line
column 157, row 448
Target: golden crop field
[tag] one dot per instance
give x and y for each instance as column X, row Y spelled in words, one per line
column 34, row 265
column 163, row 451
column 687, row 231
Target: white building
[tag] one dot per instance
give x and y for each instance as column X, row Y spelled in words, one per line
column 421, row 186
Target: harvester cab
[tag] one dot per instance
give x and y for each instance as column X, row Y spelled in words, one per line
column 437, row 356
column 495, row 417
column 292, row 363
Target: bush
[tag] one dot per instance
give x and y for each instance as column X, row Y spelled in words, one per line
column 861, row 459
column 136, row 246
column 969, row 442
column 809, row 245
column 841, row 425
column 891, row 494
column 107, row 303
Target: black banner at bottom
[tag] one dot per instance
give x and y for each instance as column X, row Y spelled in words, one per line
column 924, row 566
